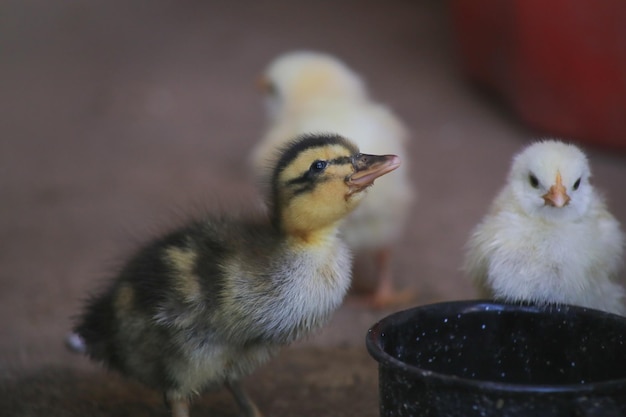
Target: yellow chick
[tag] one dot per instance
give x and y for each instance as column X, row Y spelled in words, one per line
column 548, row 237
column 315, row 92
column 204, row 305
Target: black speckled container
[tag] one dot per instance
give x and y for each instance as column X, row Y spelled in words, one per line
column 483, row 359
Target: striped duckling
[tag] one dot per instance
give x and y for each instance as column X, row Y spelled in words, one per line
column 205, row 305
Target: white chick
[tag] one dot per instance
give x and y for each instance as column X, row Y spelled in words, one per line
column 548, row 237
column 310, row 92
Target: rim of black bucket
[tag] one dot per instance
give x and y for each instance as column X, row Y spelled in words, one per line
column 377, row 352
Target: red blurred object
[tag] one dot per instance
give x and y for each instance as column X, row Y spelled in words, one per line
column 561, row 64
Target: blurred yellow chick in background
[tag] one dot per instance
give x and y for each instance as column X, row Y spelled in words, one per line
column 310, row 92
column 548, row 237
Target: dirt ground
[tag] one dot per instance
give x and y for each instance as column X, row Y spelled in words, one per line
column 119, row 118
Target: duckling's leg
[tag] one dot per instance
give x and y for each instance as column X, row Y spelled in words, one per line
column 243, row 400
column 179, row 406
column 385, row 295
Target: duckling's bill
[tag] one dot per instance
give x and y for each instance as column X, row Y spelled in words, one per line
column 368, row 168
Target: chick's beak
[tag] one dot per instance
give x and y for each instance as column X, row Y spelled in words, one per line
column 557, row 195
column 264, row 85
column 368, row 168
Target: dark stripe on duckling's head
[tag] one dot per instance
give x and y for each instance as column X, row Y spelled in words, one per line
column 299, row 145
column 307, row 175
column 310, row 178
column 306, row 180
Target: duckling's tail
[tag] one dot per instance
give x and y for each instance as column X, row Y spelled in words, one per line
column 75, row 343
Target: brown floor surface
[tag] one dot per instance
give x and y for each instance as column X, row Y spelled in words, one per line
column 115, row 115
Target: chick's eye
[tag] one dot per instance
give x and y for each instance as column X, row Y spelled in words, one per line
column 576, row 184
column 318, row 166
column 534, row 182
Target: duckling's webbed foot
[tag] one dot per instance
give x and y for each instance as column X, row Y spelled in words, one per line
column 179, row 406
column 243, row 400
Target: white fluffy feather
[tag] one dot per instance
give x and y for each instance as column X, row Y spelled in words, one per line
column 527, row 250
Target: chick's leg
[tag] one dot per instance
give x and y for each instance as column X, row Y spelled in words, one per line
column 385, row 294
column 243, row 400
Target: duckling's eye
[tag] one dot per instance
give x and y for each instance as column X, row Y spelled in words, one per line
column 318, row 166
column 576, row 184
column 534, row 182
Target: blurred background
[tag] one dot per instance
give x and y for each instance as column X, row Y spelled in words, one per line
column 120, row 118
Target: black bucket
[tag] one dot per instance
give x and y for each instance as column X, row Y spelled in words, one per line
column 480, row 358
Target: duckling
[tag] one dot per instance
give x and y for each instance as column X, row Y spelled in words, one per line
column 203, row 306
column 548, row 237
column 315, row 92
